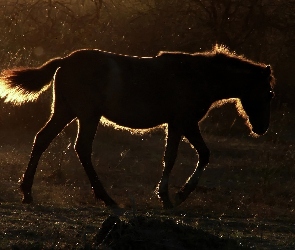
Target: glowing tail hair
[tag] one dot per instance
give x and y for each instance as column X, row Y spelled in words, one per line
column 26, row 84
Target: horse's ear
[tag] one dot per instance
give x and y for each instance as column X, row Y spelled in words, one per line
column 267, row 70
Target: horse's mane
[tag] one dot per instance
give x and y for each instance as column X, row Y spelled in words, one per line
column 216, row 50
column 230, row 59
column 220, row 52
column 221, row 55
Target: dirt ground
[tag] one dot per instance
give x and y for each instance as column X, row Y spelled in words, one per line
column 52, row 227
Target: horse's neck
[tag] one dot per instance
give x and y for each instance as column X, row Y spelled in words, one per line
column 229, row 88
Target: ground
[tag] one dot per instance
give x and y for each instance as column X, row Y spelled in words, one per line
column 53, row 227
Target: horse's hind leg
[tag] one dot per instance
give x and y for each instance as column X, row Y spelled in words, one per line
column 83, row 147
column 172, row 142
column 193, row 134
column 42, row 140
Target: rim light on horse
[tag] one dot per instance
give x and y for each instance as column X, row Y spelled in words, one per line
column 173, row 88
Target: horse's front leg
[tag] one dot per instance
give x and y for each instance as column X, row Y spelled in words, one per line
column 193, row 134
column 172, row 142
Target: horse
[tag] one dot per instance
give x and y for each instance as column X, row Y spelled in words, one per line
column 173, row 88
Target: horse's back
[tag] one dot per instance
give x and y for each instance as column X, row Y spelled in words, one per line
column 118, row 87
column 131, row 91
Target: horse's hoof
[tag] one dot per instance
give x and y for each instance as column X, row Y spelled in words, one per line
column 27, row 199
column 164, row 198
column 27, row 195
column 112, row 205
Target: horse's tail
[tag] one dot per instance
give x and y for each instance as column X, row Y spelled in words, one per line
column 26, row 84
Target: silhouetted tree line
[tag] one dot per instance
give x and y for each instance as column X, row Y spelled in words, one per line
column 33, row 31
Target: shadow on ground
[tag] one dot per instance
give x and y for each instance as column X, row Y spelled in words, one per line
column 148, row 233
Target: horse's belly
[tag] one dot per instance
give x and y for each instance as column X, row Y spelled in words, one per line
column 135, row 118
column 134, row 108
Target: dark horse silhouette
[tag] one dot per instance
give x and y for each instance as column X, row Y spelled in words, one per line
column 171, row 88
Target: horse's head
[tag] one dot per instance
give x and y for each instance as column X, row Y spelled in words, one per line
column 256, row 100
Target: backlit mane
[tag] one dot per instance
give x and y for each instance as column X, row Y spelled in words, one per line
column 230, row 57
column 234, row 61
